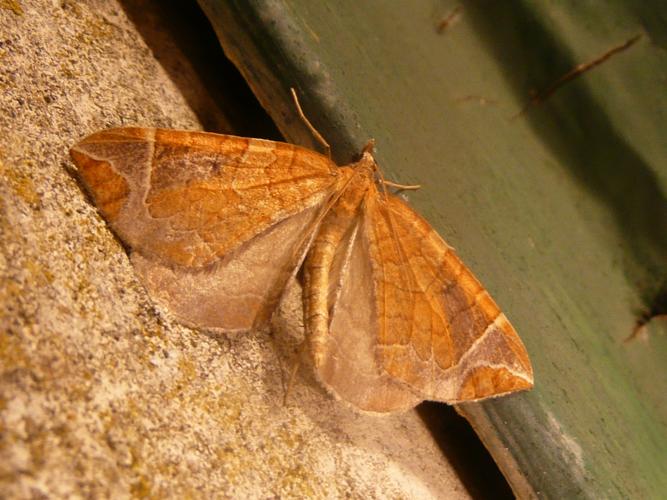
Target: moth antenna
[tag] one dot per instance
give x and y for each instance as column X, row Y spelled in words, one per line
column 405, row 187
column 402, row 187
column 310, row 126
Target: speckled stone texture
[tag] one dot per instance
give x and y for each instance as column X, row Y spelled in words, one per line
column 101, row 393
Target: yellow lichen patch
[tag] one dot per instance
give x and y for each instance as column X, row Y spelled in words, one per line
column 187, row 369
column 141, row 488
column 21, row 183
column 12, row 353
column 12, row 5
column 40, row 274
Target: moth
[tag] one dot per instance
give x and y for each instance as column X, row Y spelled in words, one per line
column 217, row 225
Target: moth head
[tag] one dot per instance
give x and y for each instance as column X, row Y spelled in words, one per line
column 367, row 164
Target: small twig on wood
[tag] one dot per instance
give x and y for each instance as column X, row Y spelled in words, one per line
column 481, row 100
column 578, row 70
column 448, row 20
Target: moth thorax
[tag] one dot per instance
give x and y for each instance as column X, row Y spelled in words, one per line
column 366, row 166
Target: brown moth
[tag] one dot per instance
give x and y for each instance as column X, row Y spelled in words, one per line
column 218, row 224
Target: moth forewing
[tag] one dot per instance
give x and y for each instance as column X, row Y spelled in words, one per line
column 217, row 224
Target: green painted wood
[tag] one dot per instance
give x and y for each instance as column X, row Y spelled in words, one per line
column 561, row 212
